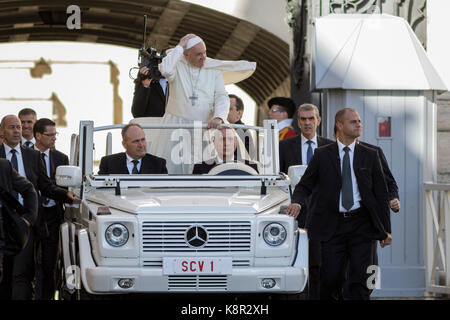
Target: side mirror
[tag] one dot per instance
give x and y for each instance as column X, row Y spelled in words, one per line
column 68, row 176
column 295, row 173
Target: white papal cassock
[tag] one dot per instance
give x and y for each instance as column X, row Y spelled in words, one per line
column 195, row 94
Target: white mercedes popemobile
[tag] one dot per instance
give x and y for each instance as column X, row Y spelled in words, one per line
column 213, row 233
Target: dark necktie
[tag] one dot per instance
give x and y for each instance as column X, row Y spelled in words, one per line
column 347, row 189
column 309, row 152
column 45, row 200
column 14, row 160
column 135, row 169
column 15, row 166
column 29, row 144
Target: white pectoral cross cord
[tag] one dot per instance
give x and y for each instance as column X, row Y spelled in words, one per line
column 194, row 96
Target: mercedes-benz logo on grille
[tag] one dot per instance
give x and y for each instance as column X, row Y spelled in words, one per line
column 196, row 236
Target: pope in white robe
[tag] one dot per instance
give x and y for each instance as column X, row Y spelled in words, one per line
column 196, row 94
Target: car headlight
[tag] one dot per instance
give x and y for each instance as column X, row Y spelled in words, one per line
column 116, row 235
column 274, row 234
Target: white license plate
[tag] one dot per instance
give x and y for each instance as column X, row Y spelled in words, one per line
column 197, row 266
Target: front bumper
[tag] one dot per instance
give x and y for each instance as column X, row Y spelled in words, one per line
column 101, row 279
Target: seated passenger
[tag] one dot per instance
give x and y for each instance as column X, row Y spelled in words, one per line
column 225, row 144
column 135, row 159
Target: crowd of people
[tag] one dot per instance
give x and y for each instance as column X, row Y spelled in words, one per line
column 342, row 200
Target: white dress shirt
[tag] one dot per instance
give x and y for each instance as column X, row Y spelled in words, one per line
column 51, row 202
column 163, row 84
column 314, row 145
column 130, row 164
column 356, row 194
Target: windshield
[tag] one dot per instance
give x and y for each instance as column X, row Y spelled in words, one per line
column 155, row 149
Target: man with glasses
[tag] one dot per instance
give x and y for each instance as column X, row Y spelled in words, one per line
column 52, row 211
column 282, row 109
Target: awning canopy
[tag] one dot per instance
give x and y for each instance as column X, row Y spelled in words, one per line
column 121, row 22
column 370, row 52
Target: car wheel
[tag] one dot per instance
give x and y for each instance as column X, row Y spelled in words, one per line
column 62, row 291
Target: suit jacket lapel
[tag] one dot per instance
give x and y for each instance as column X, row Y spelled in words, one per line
column 2, row 151
column 161, row 92
column 335, row 159
column 52, row 164
column 298, row 146
column 123, row 163
column 146, row 166
column 27, row 164
column 357, row 159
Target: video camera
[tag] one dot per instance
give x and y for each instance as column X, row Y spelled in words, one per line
column 150, row 58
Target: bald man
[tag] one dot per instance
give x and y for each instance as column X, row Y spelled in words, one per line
column 29, row 164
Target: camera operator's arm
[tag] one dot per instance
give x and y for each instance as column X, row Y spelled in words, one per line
column 145, row 82
column 141, row 94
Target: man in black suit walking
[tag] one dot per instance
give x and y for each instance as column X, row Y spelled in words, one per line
column 28, row 163
column 135, row 159
column 44, row 131
column 13, row 183
column 348, row 208
column 299, row 150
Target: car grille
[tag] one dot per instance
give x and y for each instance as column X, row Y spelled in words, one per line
column 197, row 283
column 170, row 236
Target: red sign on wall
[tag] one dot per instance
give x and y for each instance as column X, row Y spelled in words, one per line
column 384, row 126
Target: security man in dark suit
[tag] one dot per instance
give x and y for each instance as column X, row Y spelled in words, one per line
column 225, row 145
column 299, row 150
column 28, row 163
column 150, row 95
column 135, row 159
column 394, row 199
column 44, row 131
column 348, row 208
column 14, row 184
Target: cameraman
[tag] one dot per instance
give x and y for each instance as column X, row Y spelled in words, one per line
column 150, row 96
